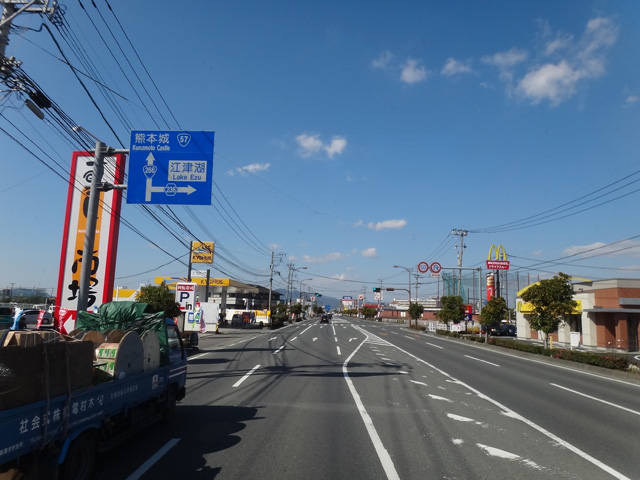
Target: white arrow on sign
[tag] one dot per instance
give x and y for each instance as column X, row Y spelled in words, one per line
column 170, row 189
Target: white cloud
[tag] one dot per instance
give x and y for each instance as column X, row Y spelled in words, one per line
column 629, row 248
column 552, row 82
column 507, row 59
column 383, row 61
column 558, row 81
column 253, row 168
column 413, row 71
column 454, row 67
column 387, row 224
column 337, row 145
column 309, row 144
column 329, row 257
column 370, row 252
column 557, row 44
column 631, row 99
column 312, row 145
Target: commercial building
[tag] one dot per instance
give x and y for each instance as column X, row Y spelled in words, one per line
column 607, row 316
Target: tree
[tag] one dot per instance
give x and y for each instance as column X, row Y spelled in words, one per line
column 415, row 311
column 296, row 310
column 493, row 312
column 551, row 300
column 160, row 299
column 452, row 309
column 369, row 312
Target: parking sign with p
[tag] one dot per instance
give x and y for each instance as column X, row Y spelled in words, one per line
column 186, row 296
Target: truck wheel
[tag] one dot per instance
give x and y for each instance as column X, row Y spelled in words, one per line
column 81, row 458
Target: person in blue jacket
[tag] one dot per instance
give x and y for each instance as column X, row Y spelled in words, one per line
column 19, row 321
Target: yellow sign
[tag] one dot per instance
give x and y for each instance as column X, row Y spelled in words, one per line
column 171, row 281
column 202, row 252
column 216, row 282
column 497, row 261
column 525, row 307
column 499, row 253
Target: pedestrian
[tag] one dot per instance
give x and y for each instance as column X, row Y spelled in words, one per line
column 19, row 320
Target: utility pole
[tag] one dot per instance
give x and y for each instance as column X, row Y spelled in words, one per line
column 11, row 9
column 461, row 234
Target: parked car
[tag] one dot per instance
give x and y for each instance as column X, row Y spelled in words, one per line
column 31, row 317
column 236, row 320
column 506, row 330
column 6, row 317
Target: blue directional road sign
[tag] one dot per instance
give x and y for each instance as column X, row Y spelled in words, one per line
column 168, row 167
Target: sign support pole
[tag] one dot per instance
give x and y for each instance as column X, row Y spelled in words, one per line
column 90, row 232
column 190, row 252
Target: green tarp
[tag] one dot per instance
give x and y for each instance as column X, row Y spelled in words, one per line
column 127, row 316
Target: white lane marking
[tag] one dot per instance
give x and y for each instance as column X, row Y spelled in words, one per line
column 496, row 452
column 459, row 418
column 433, row 345
column 510, row 413
column 278, row 350
column 383, row 454
column 352, row 339
column 335, row 338
column 402, row 371
column 339, row 352
column 334, row 330
column 293, row 339
column 438, row 397
column 306, row 329
column 553, row 365
column 153, row 459
column 195, row 357
column 272, row 338
column 480, row 360
column 247, row 375
column 315, row 338
column 597, row 399
column 418, row 383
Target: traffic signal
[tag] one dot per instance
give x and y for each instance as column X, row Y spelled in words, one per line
column 376, row 289
column 318, row 294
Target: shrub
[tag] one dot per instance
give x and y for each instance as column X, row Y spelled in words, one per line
column 604, row 360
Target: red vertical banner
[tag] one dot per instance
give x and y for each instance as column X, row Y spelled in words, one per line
column 491, row 286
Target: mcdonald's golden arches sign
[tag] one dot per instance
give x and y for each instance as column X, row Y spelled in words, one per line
column 497, row 258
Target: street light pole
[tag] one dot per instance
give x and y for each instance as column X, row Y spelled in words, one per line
column 409, row 272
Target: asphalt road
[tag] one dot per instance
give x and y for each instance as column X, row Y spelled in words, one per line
column 363, row 400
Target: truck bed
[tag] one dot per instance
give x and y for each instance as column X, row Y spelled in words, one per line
column 33, row 426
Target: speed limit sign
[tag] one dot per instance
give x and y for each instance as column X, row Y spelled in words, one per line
column 423, row 267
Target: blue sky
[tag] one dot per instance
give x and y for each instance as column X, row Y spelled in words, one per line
column 349, row 136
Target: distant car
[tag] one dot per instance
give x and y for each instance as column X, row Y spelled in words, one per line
column 324, row 319
column 31, row 317
column 508, row 330
column 6, row 317
column 236, row 320
column 504, row 330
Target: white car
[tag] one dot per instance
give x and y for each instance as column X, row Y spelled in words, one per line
column 31, row 317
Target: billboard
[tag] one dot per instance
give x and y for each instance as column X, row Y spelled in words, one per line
column 106, row 236
column 202, row 252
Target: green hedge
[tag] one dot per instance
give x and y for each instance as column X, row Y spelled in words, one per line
column 605, row 360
